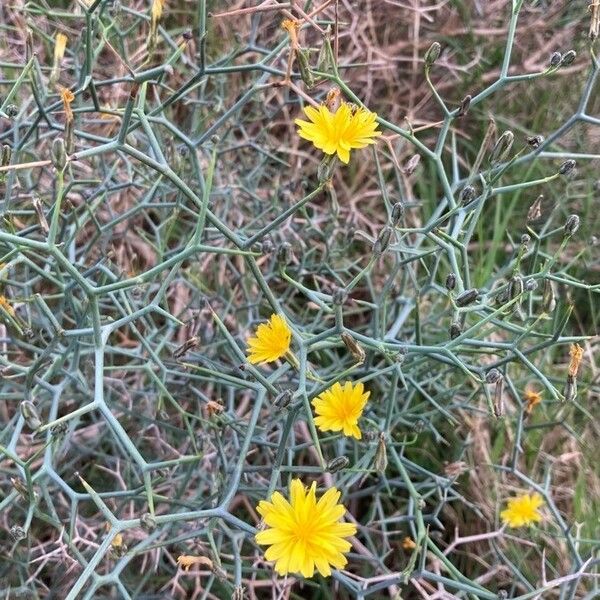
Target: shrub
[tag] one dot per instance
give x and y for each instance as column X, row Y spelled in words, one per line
column 159, row 207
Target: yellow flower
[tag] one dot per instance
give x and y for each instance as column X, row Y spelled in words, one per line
column 303, row 534
column 185, row 561
column 338, row 132
column 522, row 510
column 339, row 408
column 272, row 341
column 532, row 399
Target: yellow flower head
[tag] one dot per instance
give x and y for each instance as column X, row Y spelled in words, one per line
column 338, row 132
column 302, row 533
column 272, row 341
column 339, row 408
column 532, row 399
column 522, row 510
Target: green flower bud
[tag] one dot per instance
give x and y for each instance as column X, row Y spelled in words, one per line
column 502, row 148
column 467, row 297
column 58, row 154
column 337, row 464
column 30, row 414
column 383, row 241
column 432, row 54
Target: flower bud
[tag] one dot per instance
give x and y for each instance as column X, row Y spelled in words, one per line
column 555, row 59
column 450, row 281
column 69, row 137
column 383, row 241
column 337, row 464
column 467, row 194
column 20, row 488
column 381, row 461
column 502, row 147
column 549, row 297
column 465, row 104
column 325, row 168
column 41, row 216
column 267, row 246
column 58, row 154
column 401, row 355
column 432, row 54
column 572, row 225
column 30, row 414
column 284, row 254
column 148, row 522
column 188, row 345
column 354, row 348
column 6, row 154
column 283, row 399
column 567, row 167
column 339, row 296
column 455, row 330
column 531, row 285
column 535, row 141
column 411, row 164
column 498, row 403
column 59, row 430
column 493, row 375
column 515, row 287
column 535, row 210
column 568, row 58
column 467, row 297
column 17, row 533
column 397, row 213
column 570, row 391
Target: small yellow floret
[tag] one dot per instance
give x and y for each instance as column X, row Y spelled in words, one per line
column 522, row 510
